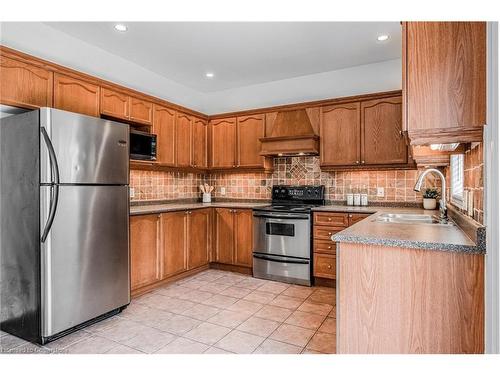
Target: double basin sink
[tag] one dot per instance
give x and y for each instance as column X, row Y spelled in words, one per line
column 403, row 218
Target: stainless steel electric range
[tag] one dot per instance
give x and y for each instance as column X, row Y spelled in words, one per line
column 282, row 248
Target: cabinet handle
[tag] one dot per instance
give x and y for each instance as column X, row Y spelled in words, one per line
column 329, row 219
column 357, row 161
column 329, row 266
column 329, row 233
column 350, row 215
column 329, row 247
column 362, row 162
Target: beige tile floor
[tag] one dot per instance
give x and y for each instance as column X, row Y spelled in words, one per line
column 212, row 312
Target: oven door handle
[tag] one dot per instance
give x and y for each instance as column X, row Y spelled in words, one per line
column 290, row 217
column 288, row 260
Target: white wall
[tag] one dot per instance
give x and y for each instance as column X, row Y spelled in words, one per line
column 47, row 43
column 361, row 79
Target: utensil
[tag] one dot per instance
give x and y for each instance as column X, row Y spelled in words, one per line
column 206, row 188
column 202, row 188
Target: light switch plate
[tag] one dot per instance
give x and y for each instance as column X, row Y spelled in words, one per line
column 222, row 190
column 132, row 192
column 380, row 192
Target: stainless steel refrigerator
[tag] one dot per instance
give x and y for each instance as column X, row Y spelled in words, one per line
column 64, row 211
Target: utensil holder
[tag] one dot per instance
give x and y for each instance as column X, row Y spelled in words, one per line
column 207, row 198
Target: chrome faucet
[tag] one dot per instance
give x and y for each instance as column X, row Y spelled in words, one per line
column 443, row 211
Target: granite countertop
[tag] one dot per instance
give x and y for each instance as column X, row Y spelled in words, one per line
column 414, row 236
column 367, row 231
column 169, row 207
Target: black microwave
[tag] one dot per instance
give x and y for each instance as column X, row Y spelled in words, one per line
column 142, row 145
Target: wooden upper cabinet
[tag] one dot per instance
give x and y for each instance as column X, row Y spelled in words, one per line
column 199, row 228
column 144, row 250
column 340, row 130
column 444, row 81
column 382, row 134
column 75, row 95
column 114, row 104
column 223, row 135
column 24, row 85
column 174, row 225
column 243, row 237
column 141, row 111
column 183, row 136
column 200, row 143
column 224, row 235
column 164, row 128
column 249, row 130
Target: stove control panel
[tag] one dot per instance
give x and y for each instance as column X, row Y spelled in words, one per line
column 298, row 193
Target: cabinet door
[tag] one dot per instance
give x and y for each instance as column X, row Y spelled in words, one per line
column 198, row 238
column 223, row 143
column 249, row 130
column 340, row 135
column 445, row 80
column 144, row 250
column 382, row 133
column 183, row 137
column 200, row 144
column 114, row 104
column 224, row 235
column 164, row 128
column 174, row 226
column 141, row 111
column 243, row 232
column 75, row 95
column 24, row 85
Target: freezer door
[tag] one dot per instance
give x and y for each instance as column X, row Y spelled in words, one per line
column 85, row 257
column 88, row 150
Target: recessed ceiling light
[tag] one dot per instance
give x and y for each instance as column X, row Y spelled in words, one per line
column 383, row 37
column 209, row 75
column 120, row 27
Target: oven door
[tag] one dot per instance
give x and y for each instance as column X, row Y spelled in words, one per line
column 282, row 234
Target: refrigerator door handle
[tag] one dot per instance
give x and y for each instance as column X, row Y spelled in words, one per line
column 54, row 187
column 52, row 156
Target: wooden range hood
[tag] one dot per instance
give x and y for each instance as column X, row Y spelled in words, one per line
column 293, row 132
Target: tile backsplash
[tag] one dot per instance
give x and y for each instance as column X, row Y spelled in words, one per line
column 397, row 184
column 157, row 185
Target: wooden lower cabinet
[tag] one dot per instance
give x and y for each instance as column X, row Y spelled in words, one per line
column 144, row 250
column 174, row 225
column 199, row 238
column 224, row 236
column 326, row 224
column 165, row 245
column 243, row 241
column 233, row 236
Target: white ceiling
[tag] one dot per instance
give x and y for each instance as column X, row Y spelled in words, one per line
column 240, row 53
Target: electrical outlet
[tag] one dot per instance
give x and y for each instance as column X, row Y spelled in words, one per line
column 222, row 190
column 132, row 192
column 380, row 192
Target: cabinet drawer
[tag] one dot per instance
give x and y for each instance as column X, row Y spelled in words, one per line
column 331, row 219
column 354, row 218
column 324, row 266
column 324, row 233
column 328, row 247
